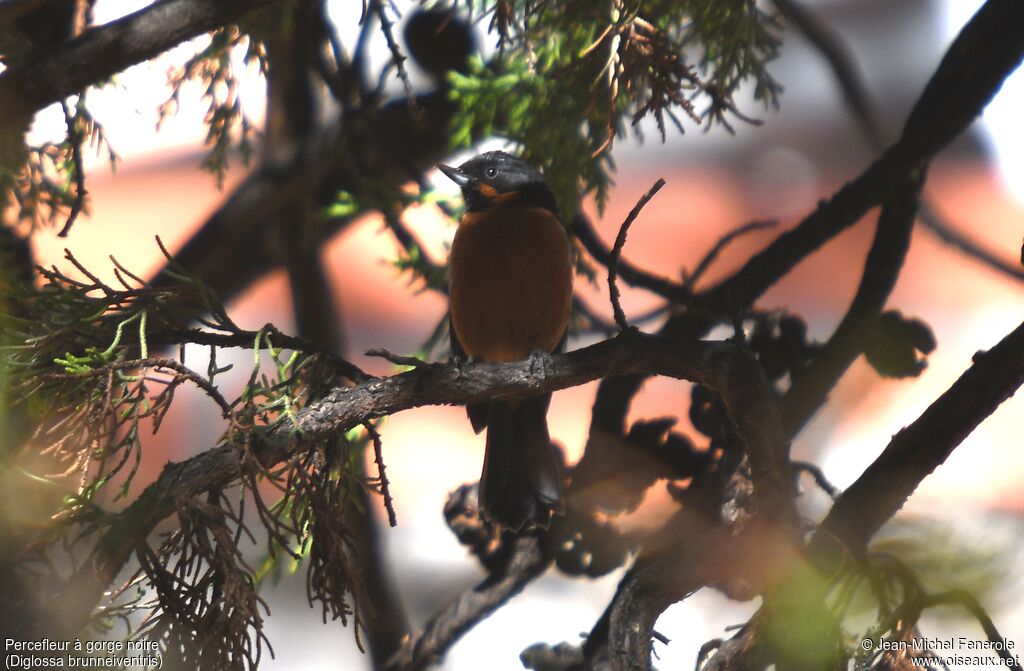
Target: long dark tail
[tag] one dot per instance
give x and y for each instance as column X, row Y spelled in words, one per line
column 521, row 483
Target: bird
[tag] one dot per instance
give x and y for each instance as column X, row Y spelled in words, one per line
column 510, row 298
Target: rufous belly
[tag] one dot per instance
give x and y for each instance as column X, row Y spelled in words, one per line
column 511, row 282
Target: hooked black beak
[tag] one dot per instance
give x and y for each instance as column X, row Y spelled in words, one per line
column 456, row 175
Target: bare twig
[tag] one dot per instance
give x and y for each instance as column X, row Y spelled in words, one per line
column 385, row 486
column 620, row 241
column 398, row 59
column 819, row 477
column 432, row 272
column 75, row 138
column 180, row 371
column 946, row 232
column 633, row 275
column 397, row 359
column 723, row 242
column 274, row 338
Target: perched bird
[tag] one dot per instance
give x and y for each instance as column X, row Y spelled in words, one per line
column 511, row 294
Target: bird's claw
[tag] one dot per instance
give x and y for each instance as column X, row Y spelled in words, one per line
column 541, row 364
column 462, row 362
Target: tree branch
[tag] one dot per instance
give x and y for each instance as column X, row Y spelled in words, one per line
column 584, row 231
column 948, row 234
column 862, row 509
column 840, row 58
column 247, row 339
column 750, row 557
column 339, row 158
column 654, row 584
column 725, row 367
column 616, row 254
column 851, row 82
column 883, row 265
column 526, row 562
column 103, row 52
column 985, row 52
column 721, row 244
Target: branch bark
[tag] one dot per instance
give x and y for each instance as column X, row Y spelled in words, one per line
column 918, row 449
column 241, row 241
column 985, row 52
column 292, row 120
column 885, row 259
column 655, row 583
column 855, row 91
column 725, row 367
column 103, row 52
column 526, row 561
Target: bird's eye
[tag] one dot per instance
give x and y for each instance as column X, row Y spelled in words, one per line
column 491, row 172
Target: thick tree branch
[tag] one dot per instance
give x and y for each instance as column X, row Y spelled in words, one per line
column 879, row 493
column 728, row 368
column 851, row 82
column 656, row 583
column 338, row 158
column 985, row 52
column 103, row 52
column 748, row 558
column 885, row 259
column 292, row 120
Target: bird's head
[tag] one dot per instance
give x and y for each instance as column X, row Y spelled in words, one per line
column 497, row 178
